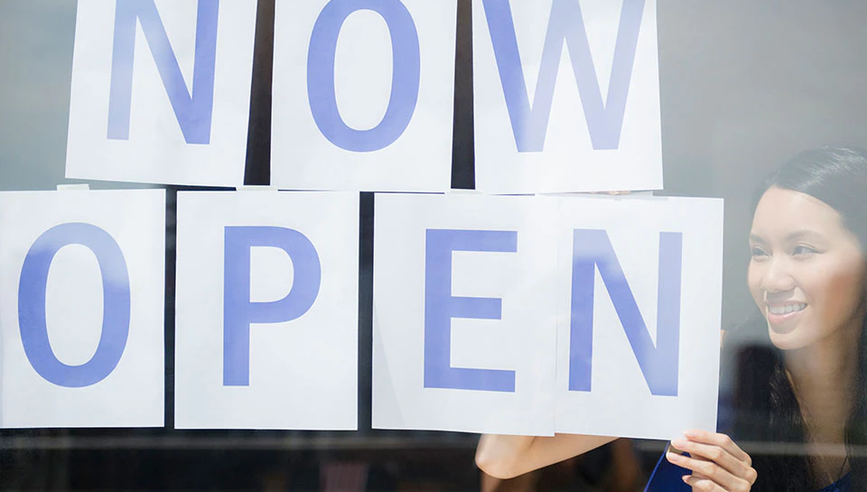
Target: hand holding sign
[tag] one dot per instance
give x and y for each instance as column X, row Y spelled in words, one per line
column 716, row 461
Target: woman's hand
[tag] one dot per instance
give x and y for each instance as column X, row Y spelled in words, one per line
column 717, row 463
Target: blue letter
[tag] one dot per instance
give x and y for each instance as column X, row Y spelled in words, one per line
column 115, row 314
column 440, row 307
column 604, row 120
column 592, row 249
column 406, row 72
column 193, row 111
column 239, row 312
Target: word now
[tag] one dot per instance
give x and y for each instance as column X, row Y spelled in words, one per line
column 189, row 100
column 193, row 108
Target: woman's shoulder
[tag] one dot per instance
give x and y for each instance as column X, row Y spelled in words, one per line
column 842, row 485
column 667, row 476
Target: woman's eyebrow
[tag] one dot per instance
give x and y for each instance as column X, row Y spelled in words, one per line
column 803, row 234
column 791, row 237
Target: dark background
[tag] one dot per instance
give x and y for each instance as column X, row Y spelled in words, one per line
column 744, row 85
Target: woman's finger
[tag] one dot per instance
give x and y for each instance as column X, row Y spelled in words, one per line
column 702, row 483
column 720, row 440
column 718, row 455
column 710, row 470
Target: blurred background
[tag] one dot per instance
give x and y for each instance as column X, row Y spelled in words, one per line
column 744, row 85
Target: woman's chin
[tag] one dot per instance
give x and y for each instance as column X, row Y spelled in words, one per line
column 785, row 337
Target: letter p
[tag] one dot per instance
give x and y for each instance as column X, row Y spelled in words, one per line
column 239, row 311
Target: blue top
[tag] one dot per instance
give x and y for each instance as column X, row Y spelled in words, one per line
column 842, row 485
column 667, row 477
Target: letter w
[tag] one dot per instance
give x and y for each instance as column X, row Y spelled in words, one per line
column 659, row 364
column 192, row 110
column 604, row 120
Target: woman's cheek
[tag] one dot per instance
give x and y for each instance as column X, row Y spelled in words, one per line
column 835, row 296
column 842, row 297
column 754, row 282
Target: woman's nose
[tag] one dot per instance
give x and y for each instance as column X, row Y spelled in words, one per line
column 778, row 277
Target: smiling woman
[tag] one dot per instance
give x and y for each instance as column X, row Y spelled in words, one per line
column 807, row 271
column 804, row 383
column 807, row 277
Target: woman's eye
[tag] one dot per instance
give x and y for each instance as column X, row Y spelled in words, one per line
column 802, row 250
column 758, row 253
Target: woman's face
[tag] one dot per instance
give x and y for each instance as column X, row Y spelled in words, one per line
column 807, row 271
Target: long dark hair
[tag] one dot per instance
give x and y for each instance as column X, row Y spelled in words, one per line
column 766, row 409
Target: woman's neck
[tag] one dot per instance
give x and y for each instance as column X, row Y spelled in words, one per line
column 823, row 377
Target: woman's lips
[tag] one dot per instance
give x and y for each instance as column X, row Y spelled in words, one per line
column 779, row 313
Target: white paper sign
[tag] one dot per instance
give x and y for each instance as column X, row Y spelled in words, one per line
column 566, row 95
column 640, row 290
column 161, row 91
column 82, row 276
column 267, row 311
column 464, row 313
column 363, row 94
